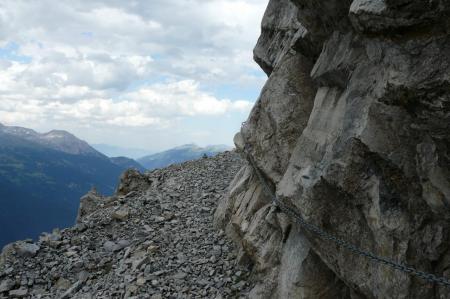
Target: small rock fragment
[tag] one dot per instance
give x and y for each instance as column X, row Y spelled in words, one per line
column 180, row 275
column 20, row 293
column 141, row 281
column 63, row 284
column 152, row 249
column 110, row 246
column 121, row 214
column 6, row 285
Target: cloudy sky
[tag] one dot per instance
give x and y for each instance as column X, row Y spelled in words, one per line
column 148, row 74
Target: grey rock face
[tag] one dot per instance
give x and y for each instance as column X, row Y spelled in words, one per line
column 357, row 140
column 279, row 31
column 276, row 133
column 285, row 266
column 383, row 15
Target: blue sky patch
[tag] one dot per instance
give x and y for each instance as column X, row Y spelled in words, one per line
column 11, row 52
column 235, row 92
column 87, row 34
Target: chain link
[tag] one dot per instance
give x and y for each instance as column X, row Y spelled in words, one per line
column 329, row 237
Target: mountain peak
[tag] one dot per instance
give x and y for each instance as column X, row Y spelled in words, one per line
column 58, row 134
column 185, row 146
column 56, row 139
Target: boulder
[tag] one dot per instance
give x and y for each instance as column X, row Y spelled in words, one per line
column 121, row 214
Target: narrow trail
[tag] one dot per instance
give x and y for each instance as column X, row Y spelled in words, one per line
column 155, row 239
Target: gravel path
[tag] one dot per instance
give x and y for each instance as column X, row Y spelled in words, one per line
column 154, row 239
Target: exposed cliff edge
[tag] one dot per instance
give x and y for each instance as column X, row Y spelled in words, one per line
column 352, row 129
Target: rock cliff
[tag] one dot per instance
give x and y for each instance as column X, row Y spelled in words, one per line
column 352, row 129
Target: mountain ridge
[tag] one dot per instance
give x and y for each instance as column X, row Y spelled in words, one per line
column 180, row 154
column 42, row 177
column 127, row 163
column 118, row 151
column 56, row 139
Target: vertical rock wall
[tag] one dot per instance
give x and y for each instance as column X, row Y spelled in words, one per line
column 353, row 129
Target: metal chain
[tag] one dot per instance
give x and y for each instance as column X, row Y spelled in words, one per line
column 329, row 237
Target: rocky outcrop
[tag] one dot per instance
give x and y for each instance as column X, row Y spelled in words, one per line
column 153, row 239
column 89, row 203
column 352, row 129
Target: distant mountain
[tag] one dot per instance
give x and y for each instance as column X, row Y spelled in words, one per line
column 116, row 151
column 127, row 163
column 43, row 176
column 56, row 139
column 180, row 154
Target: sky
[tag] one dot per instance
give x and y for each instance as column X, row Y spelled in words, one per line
column 144, row 74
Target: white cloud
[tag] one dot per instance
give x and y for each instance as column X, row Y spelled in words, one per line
column 114, row 19
column 190, row 36
column 95, row 63
column 156, row 104
column 183, row 98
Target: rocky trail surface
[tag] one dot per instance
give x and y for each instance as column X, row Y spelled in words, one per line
column 153, row 239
